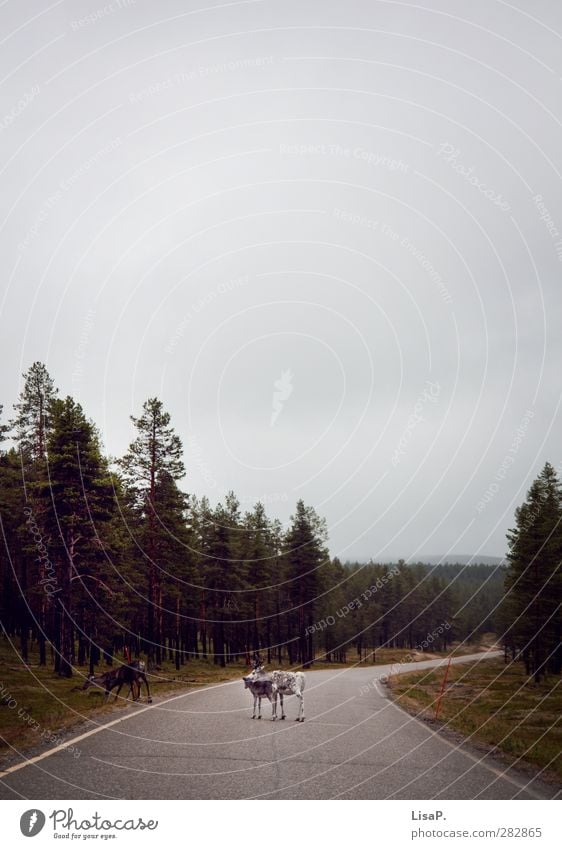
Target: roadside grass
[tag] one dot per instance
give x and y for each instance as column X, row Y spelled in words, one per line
column 493, row 703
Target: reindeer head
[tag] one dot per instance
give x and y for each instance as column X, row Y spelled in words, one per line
column 256, row 673
column 93, row 681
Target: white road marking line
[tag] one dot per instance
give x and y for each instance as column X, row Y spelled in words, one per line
column 99, row 728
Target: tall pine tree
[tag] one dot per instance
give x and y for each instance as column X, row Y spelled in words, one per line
column 30, row 428
column 304, row 553
column 155, row 452
column 32, row 419
column 532, row 608
column 79, row 507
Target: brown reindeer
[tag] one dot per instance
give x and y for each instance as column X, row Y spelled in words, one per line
column 132, row 674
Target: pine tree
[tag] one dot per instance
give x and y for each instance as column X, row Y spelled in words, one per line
column 156, row 451
column 174, row 561
column 279, row 590
column 32, row 421
column 201, row 528
column 17, row 551
column 30, row 428
column 336, row 591
column 532, row 608
column 260, row 556
column 223, row 576
column 80, row 505
column 304, row 553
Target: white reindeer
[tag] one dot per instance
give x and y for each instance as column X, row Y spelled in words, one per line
column 288, row 684
column 274, row 684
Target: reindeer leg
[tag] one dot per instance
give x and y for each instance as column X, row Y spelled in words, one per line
column 282, row 708
column 148, row 696
column 255, row 703
column 273, row 706
column 300, row 716
column 143, row 680
column 109, row 685
column 259, row 707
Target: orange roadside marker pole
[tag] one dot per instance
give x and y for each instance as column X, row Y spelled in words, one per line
column 438, row 705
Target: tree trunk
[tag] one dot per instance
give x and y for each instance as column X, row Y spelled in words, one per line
column 178, row 632
column 203, row 627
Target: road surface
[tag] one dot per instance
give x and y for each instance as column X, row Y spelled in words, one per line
column 203, row 744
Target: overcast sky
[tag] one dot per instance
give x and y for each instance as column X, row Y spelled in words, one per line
column 327, row 235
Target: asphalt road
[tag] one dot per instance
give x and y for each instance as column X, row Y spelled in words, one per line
column 354, row 744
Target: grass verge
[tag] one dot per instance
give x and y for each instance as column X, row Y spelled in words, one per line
column 494, row 704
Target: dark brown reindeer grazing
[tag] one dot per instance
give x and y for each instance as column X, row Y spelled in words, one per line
column 132, row 674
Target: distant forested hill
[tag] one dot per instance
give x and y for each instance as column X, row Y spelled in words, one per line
column 464, row 559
